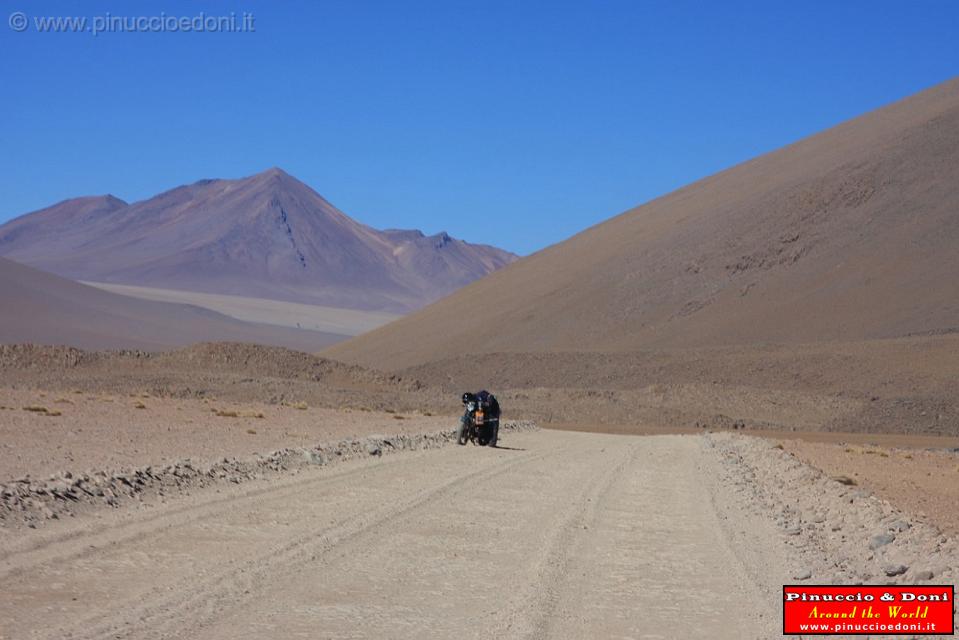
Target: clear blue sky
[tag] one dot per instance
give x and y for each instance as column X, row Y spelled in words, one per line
column 513, row 122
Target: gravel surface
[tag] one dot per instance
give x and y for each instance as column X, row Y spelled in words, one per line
column 836, row 532
column 30, row 502
column 554, row 535
column 918, row 481
column 110, row 431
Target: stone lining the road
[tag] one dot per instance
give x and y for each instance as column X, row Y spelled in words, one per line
column 32, row 501
column 842, row 533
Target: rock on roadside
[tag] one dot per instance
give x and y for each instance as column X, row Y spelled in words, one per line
column 841, row 533
column 31, row 501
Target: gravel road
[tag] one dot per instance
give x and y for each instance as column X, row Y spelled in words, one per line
column 555, row 535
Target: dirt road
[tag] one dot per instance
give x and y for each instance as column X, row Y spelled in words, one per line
column 556, row 535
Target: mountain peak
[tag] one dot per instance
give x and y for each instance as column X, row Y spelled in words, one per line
column 114, row 201
column 274, row 172
column 441, row 239
column 266, row 235
column 274, row 178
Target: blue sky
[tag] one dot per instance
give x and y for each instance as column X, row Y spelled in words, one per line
column 516, row 123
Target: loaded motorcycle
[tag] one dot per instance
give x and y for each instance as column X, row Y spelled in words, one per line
column 480, row 421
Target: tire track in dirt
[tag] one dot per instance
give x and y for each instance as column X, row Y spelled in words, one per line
column 198, row 600
column 659, row 563
column 568, row 535
column 140, row 526
column 528, row 614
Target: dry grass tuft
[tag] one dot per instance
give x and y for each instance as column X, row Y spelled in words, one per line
column 398, row 417
column 43, row 411
column 846, row 480
column 302, row 406
column 252, row 432
column 233, row 413
column 139, row 405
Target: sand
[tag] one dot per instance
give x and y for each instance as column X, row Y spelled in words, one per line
column 106, row 431
column 556, row 535
column 340, row 321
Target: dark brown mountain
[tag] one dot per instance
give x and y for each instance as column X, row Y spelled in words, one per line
column 851, row 234
column 267, row 236
column 42, row 308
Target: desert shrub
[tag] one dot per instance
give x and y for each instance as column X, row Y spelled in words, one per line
column 43, row 411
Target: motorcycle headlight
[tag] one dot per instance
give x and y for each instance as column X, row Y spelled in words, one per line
column 471, row 406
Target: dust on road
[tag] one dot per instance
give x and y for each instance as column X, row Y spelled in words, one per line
column 560, row 535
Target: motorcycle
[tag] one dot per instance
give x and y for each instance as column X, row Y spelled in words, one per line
column 478, row 425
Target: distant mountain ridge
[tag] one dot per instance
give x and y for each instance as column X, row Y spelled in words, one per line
column 267, row 235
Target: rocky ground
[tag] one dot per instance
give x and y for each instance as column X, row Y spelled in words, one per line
column 210, row 470
column 554, row 535
column 838, row 532
column 897, row 386
column 43, row 432
column 923, row 479
column 30, row 501
column 234, row 372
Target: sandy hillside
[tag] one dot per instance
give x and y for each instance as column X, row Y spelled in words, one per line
column 42, row 308
column 345, row 322
column 847, row 235
column 904, row 385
